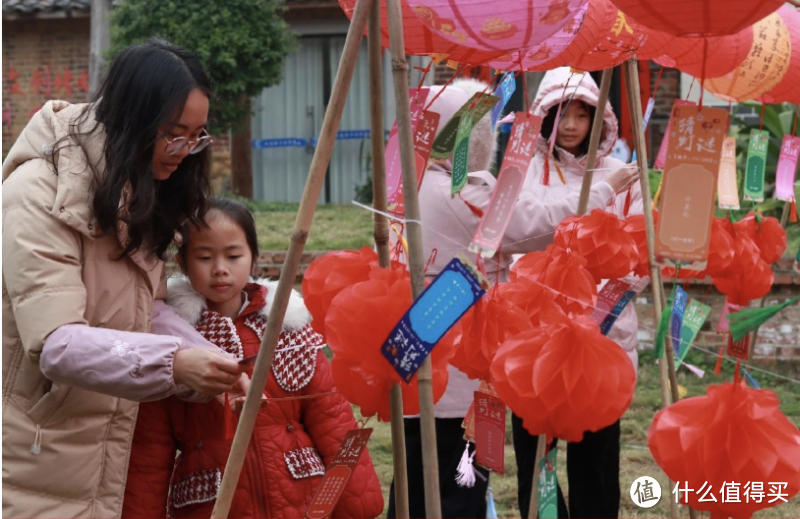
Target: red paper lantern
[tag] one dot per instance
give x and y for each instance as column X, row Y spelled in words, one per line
column 329, row 275
column 490, row 322
column 358, row 322
column 600, row 237
column 721, row 54
column 705, row 18
column 565, row 273
column 537, row 301
column 422, row 37
column 634, row 225
column 786, row 90
column 551, row 376
column 748, row 277
column 769, row 236
column 733, row 434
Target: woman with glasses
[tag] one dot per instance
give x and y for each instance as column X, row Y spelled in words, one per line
column 93, row 195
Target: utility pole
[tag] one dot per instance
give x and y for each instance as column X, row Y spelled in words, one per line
column 100, row 41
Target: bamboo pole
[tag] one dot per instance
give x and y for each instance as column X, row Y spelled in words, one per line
column 666, row 365
column 416, row 260
column 305, row 216
column 594, row 139
column 533, row 504
column 381, row 233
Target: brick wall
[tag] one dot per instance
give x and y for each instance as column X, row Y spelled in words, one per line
column 42, row 59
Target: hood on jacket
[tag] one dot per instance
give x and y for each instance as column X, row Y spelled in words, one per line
column 552, row 92
column 482, row 140
column 189, row 304
column 50, row 124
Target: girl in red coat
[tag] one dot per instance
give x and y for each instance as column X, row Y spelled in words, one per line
column 294, row 438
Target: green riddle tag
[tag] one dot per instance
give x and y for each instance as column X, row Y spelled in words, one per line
column 461, row 155
column 479, row 104
column 693, row 319
column 548, row 488
column 756, row 162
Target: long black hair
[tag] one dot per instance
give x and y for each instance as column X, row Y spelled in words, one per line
column 549, row 122
column 146, row 86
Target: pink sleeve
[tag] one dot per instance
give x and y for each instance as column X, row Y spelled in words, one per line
column 134, row 366
column 130, row 365
column 535, row 218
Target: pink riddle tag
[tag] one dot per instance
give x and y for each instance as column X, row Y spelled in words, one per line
column 490, row 432
column 394, row 171
column 518, row 155
column 661, row 159
column 423, row 142
column 787, row 168
column 727, row 184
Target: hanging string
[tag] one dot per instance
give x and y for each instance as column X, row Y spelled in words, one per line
column 658, row 82
column 703, row 72
column 422, row 79
column 763, row 109
column 730, row 117
column 691, row 86
column 525, row 90
column 794, row 126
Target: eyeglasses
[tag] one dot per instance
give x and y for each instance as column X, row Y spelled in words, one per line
column 178, row 144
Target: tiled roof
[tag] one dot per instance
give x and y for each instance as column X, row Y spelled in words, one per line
column 45, row 6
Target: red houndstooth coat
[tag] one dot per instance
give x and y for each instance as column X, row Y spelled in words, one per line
column 292, row 443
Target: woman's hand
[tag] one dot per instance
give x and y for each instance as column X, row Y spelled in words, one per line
column 623, row 178
column 239, row 394
column 205, row 371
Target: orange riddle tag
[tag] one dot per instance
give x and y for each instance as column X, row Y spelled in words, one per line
column 690, row 183
column 469, row 420
column 739, row 349
column 728, row 185
column 333, row 483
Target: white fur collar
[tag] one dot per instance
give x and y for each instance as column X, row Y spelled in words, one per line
column 189, row 304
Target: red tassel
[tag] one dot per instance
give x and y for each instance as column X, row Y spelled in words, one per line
column 475, row 209
column 718, row 367
column 793, row 212
column 227, row 417
column 546, row 175
column 627, row 206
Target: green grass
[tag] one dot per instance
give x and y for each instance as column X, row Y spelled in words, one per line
column 636, row 459
column 335, row 227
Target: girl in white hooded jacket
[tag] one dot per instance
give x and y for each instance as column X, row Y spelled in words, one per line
column 593, row 464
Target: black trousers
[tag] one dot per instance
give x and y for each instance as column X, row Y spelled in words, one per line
column 457, row 502
column 592, row 472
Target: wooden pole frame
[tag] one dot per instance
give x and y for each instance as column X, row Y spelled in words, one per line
column 669, row 384
column 416, row 260
column 381, row 233
column 305, row 217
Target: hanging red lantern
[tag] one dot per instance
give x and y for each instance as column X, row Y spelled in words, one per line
column 423, row 37
column 490, row 322
column 565, row 273
column 600, row 237
column 537, row 301
column 733, row 436
column 708, row 57
column 635, row 226
column 358, row 322
column 786, row 90
column 327, row 276
column 748, row 276
column 706, row 18
column 768, row 235
column 550, row 378
column 496, row 26
column 765, row 66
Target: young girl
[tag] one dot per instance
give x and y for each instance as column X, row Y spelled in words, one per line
column 593, row 464
column 300, row 426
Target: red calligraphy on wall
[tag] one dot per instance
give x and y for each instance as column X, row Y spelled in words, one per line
column 41, row 81
column 12, row 81
column 8, row 117
column 83, row 81
column 63, row 82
